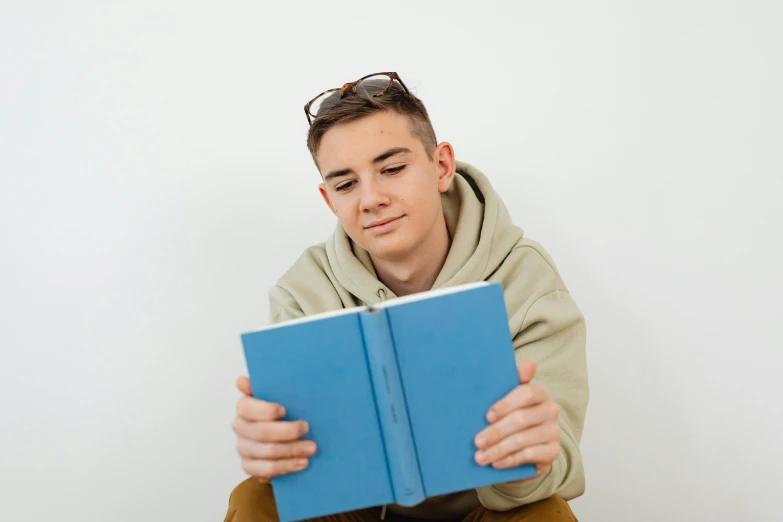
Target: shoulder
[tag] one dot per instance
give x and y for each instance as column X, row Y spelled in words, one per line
column 529, row 276
column 535, row 259
column 308, row 286
column 313, row 262
column 311, row 267
column 529, row 263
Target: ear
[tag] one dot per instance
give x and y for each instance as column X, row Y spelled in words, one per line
column 325, row 195
column 445, row 164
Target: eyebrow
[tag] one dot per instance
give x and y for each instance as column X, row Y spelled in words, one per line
column 379, row 158
column 391, row 152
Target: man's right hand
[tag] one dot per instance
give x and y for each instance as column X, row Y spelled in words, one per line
column 268, row 446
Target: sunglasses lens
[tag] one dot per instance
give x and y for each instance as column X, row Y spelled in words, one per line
column 323, row 102
column 374, row 85
column 371, row 86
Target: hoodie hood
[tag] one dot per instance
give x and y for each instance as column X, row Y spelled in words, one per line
column 480, row 228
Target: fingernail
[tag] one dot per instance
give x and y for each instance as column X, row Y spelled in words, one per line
column 301, row 464
column 309, row 448
column 305, row 427
column 492, row 416
column 481, row 441
column 481, row 457
column 280, row 411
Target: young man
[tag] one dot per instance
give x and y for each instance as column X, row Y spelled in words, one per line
column 412, row 218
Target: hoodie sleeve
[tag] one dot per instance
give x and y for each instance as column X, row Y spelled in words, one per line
column 553, row 334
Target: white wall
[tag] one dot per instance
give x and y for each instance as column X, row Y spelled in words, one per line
column 152, row 152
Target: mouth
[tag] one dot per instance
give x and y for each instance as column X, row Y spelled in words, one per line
column 382, row 224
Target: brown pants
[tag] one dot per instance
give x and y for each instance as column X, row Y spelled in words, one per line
column 254, row 502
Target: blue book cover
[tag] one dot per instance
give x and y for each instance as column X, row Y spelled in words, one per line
column 394, row 395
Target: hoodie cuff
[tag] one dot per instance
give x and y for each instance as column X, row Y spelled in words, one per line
column 510, row 495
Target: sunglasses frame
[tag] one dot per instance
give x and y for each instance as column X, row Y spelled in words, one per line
column 352, row 86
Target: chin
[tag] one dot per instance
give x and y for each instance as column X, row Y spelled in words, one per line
column 388, row 248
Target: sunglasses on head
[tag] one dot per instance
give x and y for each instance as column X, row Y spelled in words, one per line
column 373, row 85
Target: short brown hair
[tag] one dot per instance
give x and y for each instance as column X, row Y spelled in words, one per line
column 353, row 106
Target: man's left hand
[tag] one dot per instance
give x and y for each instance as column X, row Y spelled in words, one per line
column 523, row 427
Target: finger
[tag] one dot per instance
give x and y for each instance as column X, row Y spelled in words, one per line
column 276, row 431
column 527, row 370
column 269, row 469
column 543, row 454
column 515, row 421
column 252, row 449
column 243, row 385
column 523, row 396
column 252, row 409
column 516, row 442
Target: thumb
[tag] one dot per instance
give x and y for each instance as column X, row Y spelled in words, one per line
column 527, row 370
column 243, row 385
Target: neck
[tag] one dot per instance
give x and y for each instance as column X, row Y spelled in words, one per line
column 418, row 271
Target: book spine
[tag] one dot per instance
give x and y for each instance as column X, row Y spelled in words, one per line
column 401, row 457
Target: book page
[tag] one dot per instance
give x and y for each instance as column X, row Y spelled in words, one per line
column 429, row 294
column 313, row 317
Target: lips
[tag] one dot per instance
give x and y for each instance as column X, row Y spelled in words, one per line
column 381, row 222
column 381, row 227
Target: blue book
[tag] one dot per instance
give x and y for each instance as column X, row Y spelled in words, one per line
column 394, row 395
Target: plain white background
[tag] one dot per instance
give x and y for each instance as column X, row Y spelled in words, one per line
column 154, row 182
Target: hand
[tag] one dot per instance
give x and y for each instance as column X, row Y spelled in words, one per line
column 268, row 446
column 523, row 429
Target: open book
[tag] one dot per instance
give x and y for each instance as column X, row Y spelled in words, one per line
column 394, row 395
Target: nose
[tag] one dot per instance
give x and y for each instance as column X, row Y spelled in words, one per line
column 372, row 195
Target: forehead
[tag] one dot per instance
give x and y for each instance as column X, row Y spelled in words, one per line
column 348, row 144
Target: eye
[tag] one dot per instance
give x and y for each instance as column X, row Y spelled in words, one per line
column 394, row 170
column 344, row 186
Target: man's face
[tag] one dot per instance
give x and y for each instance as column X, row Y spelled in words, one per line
column 382, row 185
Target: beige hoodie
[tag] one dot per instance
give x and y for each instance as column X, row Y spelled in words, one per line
column 547, row 325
